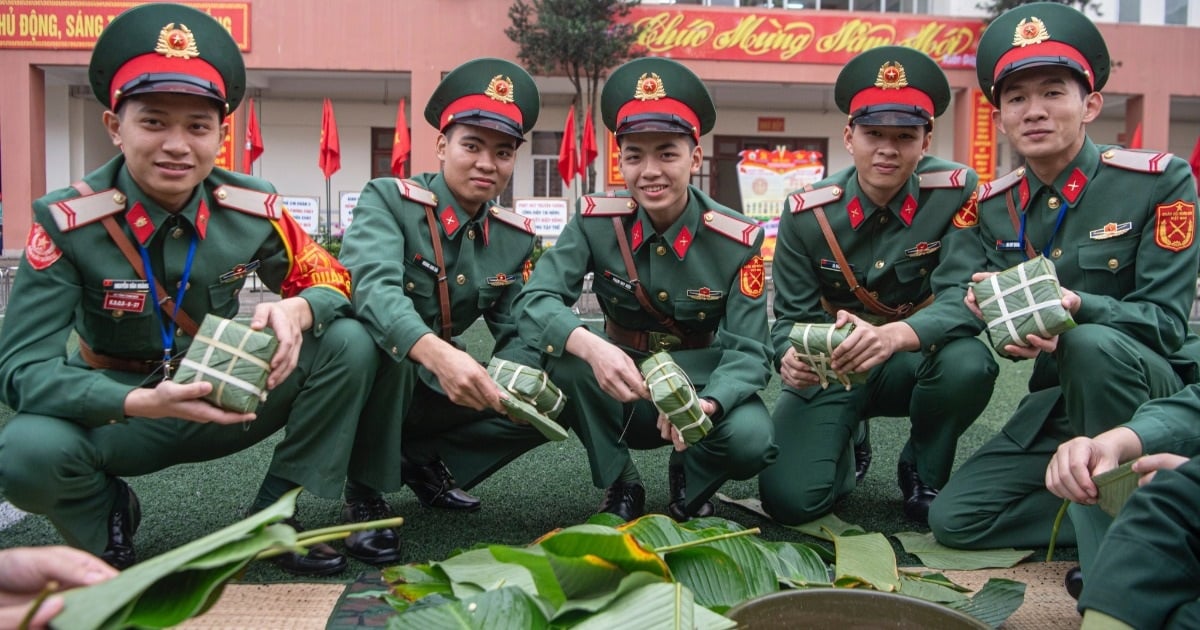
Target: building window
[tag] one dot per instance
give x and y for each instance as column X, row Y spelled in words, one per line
column 1176, row 12
column 1129, row 11
column 381, row 153
column 546, row 180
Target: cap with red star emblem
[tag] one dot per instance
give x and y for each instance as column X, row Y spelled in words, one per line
column 654, row 94
column 893, row 86
column 492, row 93
column 1041, row 34
column 164, row 47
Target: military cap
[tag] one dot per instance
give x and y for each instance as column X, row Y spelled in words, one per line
column 892, row 85
column 164, row 47
column 1041, row 34
column 656, row 94
column 486, row 92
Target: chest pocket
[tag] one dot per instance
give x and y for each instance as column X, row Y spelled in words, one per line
column 489, row 295
column 699, row 315
column 915, row 271
column 223, row 296
column 1108, row 266
column 125, row 329
column 615, row 300
column 418, row 281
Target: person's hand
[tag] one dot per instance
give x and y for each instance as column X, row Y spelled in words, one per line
column 289, row 319
column 1069, row 474
column 868, row 345
column 185, row 401
column 1037, row 345
column 969, row 300
column 464, row 380
column 615, row 371
column 673, row 435
column 1147, row 466
column 26, row 571
column 794, row 372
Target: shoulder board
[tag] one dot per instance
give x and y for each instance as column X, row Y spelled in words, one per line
column 734, row 228
column 504, row 215
column 80, row 211
column 1140, row 161
column 997, row 186
column 597, row 206
column 415, row 192
column 256, row 202
column 956, row 178
column 809, row 199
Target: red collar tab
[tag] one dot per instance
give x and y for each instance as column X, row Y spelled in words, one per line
column 1023, row 192
column 682, row 242
column 202, row 219
column 449, row 221
column 855, row 210
column 636, row 234
column 908, row 210
column 1074, row 186
column 139, row 221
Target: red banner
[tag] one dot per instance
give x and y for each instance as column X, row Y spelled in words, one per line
column 59, row 25
column 225, row 153
column 827, row 37
column 615, row 180
column 983, row 137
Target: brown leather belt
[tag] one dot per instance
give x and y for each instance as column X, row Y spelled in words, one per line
column 651, row 341
column 105, row 362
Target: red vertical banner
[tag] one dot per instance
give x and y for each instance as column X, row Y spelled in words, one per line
column 401, row 142
column 225, row 154
column 568, row 164
column 330, row 159
column 587, row 148
column 983, row 137
column 254, row 141
column 612, row 161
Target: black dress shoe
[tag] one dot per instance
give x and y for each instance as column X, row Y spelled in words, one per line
column 862, row 454
column 123, row 522
column 917, row 494
column 321, row 559
column 373, row 546
column 1074, row 582
column 677, row 480
column 434, row 486
column 627, row 500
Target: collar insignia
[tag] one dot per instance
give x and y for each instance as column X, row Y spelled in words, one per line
column 649, row 87
column 176, row 42
column 1030, row 32
column 891, row 76
column 500, row 89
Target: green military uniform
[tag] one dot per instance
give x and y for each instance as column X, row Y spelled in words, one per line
column 1133, row 264
column 389, row 249
column 70, row 439
column 704, row 272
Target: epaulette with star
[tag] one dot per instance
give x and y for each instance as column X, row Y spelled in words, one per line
column 956, row 178
column 997, row 186
column 254, row 202
column 415, row 192
column 739, row 230
column 77, row 212
column 605, row 206
column 504, row 215
column 1140, row 161
column 809, row 199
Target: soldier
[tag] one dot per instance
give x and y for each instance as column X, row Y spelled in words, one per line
column 874, row 246
column 429, row 256
column 97, row 260
column 674, row 270
column 1119, row 226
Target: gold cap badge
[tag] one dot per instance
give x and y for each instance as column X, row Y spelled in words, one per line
column 177, row 42
column 500, row 89
column 1031, row 32
column 649, row 87
column 891, row 76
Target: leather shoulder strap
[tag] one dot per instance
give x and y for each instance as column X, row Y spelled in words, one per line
column 443, row 289
column 864, row 296
column 639, row 291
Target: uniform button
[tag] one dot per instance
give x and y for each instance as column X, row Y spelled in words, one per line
column 118, row 314
column 119, row 198
column 1057, row 253
column 550, row 349
column 701, row 315
column 660, row 250
column 631, row 204
column 221, row 194
column 471, row 234
column 613, row 299
column 923, row 271
column 708, row 217
column 1112, row 263
column 320, row 327
column 662, row 296
column 111, row 421
column 1053, row 203
column 179, row 332
column 836, row 192
column 882, row 219
column 879, row 264
column 1021, row 172
column 1108, row 155
column 461, row 279
column 177, row 283
column 177, row 232
column 837, row 285
column 933, row 347
column 408, row 286
column 395, row 350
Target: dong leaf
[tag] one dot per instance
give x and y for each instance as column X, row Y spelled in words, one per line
column 507, row 608
column 715, row 579
column 578, row 608
column 660, row 605
column 937, row 556
column 479, row 570
column 796, row 564
column 995, row 602
column 614, row 546
column 866, row 560
column 1114, row 487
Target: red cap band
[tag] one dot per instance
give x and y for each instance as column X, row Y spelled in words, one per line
column 484, row 102
column 668, row 106
column 154, row 63
column 1048, row 48
column 903, row 96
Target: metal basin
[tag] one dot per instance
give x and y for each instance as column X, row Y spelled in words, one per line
column 844, row 609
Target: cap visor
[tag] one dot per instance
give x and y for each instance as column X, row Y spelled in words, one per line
column 654, row 126
column 173, row 87
column 492, row 124
column 891, row 119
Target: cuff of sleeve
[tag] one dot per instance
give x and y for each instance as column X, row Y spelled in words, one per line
column 326, row 305
column 725, row 396
column 1093, row 309
column 399, row 339
column 1158, row 434
column 554, row 336
column 104, row 402
column 929, row 333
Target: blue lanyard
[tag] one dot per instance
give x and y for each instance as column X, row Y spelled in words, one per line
column 1057, row 224
column 167, row 326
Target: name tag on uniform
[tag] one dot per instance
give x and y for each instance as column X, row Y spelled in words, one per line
column 1009, row 246
column 239, row 272
column 119, row 301
column 426, row 264
column 832, row 265
column 619, row 281
column 126, row 285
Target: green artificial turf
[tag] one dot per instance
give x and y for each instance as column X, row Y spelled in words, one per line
column 546, row 488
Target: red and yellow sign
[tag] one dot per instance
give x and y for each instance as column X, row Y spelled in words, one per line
column 226, row 152
column 983, row 137
column 799, row 37
column 614, row 179
column 59, row 25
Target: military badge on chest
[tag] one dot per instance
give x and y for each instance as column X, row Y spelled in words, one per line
column 705, row 294
column 125, row 296
column 239, row 271
column 923, row 249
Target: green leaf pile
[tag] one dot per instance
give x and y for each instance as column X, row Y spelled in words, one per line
column 656, row 573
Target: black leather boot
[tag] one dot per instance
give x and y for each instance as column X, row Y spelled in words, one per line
column 627, row 500
column 862, row 453
column 677, row 480
column 321, row 559
column 434, row 486
column 123, row 522
column 373, row 546
column 917, row 494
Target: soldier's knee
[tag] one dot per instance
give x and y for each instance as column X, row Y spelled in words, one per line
column 1094, row 346
column 35, row 451
column 954, row 528
column 967, row 362
column 789, row 504
column 751, row 449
